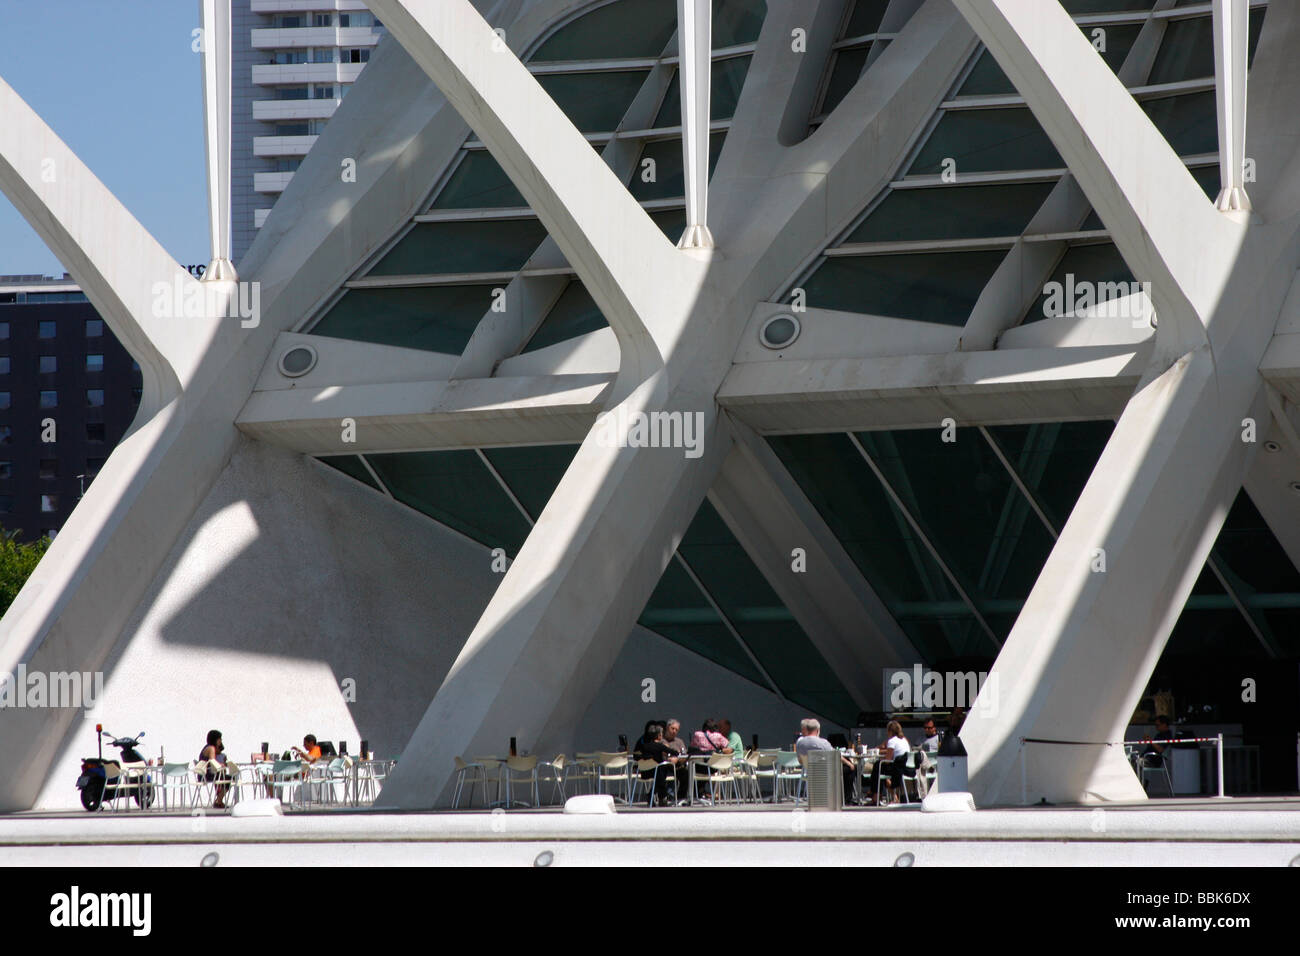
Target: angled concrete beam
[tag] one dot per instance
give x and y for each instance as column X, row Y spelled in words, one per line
column 1231, row 52
column 119, row 266
column 641, row 283
column 1159, row 218
column 836, row 607
column 919, row 391
column 695, row 42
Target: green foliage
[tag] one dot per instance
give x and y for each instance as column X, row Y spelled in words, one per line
column 17, row 562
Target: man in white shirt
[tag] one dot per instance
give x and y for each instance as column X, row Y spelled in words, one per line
column 931, row 742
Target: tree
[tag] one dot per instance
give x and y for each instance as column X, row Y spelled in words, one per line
column 17, row 562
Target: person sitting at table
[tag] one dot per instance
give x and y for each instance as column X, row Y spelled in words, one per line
column 654, row 729
column 733, row 739
column 672, row 737
column 214, row 752
column 308, row 751
column 668, row 763
column 810, row 738
column 931, row 742
column 893, row 759
column 1154, row 755
column 708, row 740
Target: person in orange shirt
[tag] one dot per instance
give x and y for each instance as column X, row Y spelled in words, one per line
column 308, row 751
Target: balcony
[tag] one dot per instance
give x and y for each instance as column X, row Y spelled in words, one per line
column 275, row 74
column 272, row 110
column 294, row 37
column 305, row 6
column 282, row 145
column 271, row 182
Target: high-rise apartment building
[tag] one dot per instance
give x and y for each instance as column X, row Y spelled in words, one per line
column 292, row 62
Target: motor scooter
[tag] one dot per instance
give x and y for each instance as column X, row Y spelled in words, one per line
column 100, row 778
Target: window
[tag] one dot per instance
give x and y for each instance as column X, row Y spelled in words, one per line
column 94, row 328
column 4, row 365
column 323, row 92
column 5, row 400
column 323, row 19
column 94, row 363
column 50, row 533
column 287, row 165
column 49, row 504
column 49, row 399
column 4, row 330
column 355, row 56
column 95, row 397
column 357, row 20
column 6, row 470
column 94, row 431
column 288, row 57
column 6, row 435
column 291, row 93
column 326, row 55
column 291, row 129
column 49, row 468
column 47, row 328
column 49, row 364
column 288, row 21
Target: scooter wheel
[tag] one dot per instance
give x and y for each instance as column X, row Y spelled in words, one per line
column 92, row 795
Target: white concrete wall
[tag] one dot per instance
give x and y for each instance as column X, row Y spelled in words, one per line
column 291, row 578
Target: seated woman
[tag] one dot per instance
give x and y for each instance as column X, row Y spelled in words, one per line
column 709, row 740
column 893, row 758
column 214, row 752
column 667, row 763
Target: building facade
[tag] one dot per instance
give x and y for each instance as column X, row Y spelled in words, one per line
column 68, row 393
column 293, row 63
column 990, row 368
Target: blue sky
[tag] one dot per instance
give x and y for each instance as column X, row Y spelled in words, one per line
column 120, row 85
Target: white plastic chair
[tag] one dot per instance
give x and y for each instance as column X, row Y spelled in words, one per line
column 471, row 773
column 521, row 770
column 614, row 769
column 173, row 779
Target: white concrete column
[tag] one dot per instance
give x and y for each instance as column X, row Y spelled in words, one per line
column 215, row 16
column 695, row 43
column 1231, row 51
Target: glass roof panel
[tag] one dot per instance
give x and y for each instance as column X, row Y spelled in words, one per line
column 737, row 21
column 455, row 488
column 845, row 71
column 594, row 102
column 532, row 472
column 952, row 212
column 991, row 140
column 1187, row 122
column 668, row 181
column 574, row 314
column 929, row 287
column 456, row 247
column 350, row 465
column 727, row 81
column 1187, row 51
column 435, row 318
column 479, row 182
column 627, row 28
column 1099, row 265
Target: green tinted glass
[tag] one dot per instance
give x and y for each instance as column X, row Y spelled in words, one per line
column 573, row 314
column 594, row 102
column 479, row 182
column 350, row 465
column 456, row 247
column 438, row 318
column 846, row 68
column 532, row 472
column 987, row 141
column 1187, row 122
column 456, row 489
column 663, row 178
column 1085, row 276
column 728, row 80
column 628, row 28
column 952, row 212
column 737, row 21
column 928, row 287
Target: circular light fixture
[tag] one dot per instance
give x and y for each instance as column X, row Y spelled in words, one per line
column 905, row 859
column 298, row 361
column 779, row 331
column 545, row 858
column 210, row 859
column 1272, row 446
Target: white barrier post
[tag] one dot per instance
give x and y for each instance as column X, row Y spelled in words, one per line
column 1219, row 744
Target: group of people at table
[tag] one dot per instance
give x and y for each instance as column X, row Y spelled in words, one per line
column 663, row 743
column 213, row 761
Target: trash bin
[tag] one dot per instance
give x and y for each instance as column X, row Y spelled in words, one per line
column 952, row 776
